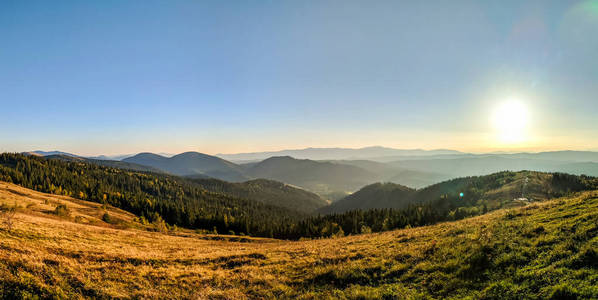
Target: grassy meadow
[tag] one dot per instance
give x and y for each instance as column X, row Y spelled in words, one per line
column 545, row 250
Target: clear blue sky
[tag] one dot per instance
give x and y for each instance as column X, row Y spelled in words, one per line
column 108, row 77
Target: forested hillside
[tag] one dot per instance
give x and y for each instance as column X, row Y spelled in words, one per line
column 266, row 191
column 321, row 177
column 106, row 163
column 176, row 200
column 186, row 203
column 490, row 191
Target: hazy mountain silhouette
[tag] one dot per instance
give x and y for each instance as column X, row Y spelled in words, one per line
column 334, row 153
column 320, row 177
column 391, row 173
column 487, row 164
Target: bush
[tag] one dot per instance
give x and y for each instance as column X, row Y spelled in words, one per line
column 62, row 210
column 7, row 213
column 106, row 218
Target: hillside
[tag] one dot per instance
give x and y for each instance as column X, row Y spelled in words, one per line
column 541, row 251
column 392, row 173
column 106, row 163
column 261, row 190
column 191, row 163
column 489, row 191
column 267, row 191
column 176, row 200
column 320, row 177
column 376, row 195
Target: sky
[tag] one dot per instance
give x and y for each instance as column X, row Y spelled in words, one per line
column 114, row 77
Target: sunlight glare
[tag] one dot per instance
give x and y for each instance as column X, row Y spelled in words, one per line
column 510, row 121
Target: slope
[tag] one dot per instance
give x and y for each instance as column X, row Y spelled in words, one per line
column 268, row 192
column 191, row 163
column 322, row 178
column 176, row 200
column 541, row 251
column 391, row 173
column 107, row 163
column 489, row 191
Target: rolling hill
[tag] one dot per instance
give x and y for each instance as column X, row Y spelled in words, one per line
column 176, row 200
column 266, row 191
column 540, row 251
column 489, row 191
column 320, row 177
column 106, row 163
column 392, row 173
column 191, row 163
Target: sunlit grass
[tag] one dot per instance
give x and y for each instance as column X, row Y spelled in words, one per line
column 542, row 250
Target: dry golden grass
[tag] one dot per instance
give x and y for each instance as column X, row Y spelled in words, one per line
column 54, row 256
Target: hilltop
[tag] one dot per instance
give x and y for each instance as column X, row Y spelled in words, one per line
column 191, row 163
column 487, row 192
column 540, row 251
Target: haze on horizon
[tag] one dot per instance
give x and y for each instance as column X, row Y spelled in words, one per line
column 117, row 77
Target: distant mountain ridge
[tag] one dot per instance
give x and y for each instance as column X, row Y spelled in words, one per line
column 320, row 177
column 487, row 164
column 334, row 179
column 335, row 153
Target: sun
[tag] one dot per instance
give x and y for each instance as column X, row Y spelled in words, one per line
column 510, row 120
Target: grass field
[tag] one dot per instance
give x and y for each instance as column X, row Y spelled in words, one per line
column 543, row 250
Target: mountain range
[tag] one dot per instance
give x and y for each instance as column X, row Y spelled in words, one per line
column 191, row 163
column 334, row 179
column 335, row 153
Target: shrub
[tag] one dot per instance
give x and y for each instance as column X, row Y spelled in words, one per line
column 106, row 218
column 62, row 210
column 7, row 214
